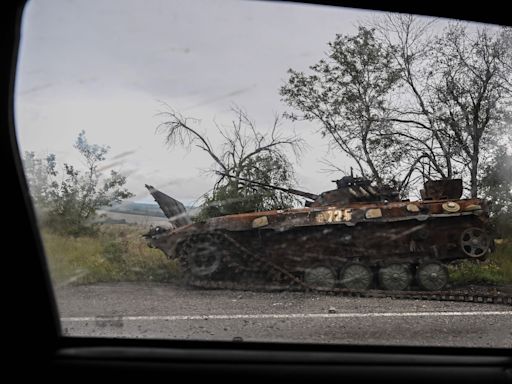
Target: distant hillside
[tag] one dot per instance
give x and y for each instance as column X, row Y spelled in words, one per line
column 144, row 209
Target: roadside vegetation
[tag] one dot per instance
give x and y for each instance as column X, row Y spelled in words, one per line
column 67, row 196
column 78, row 248
column 115, row 253
column 497, row 270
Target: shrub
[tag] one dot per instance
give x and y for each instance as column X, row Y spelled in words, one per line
column 496, row 270
column 116, row 253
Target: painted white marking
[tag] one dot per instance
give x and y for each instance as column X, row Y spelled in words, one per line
column 285, row 316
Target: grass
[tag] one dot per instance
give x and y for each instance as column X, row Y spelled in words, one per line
column 496, row 270
column 117, row 253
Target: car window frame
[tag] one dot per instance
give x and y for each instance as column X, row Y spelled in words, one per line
column 36, row 318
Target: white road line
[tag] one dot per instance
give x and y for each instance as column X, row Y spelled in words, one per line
column 285, row 316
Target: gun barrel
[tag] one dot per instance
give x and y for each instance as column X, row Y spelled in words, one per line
column 307, row 195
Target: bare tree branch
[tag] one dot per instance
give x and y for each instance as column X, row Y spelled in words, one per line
column 244, row 153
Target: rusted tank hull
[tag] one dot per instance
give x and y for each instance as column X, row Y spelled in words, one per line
column 356, row 236
column 333, row 247
column 375, row 244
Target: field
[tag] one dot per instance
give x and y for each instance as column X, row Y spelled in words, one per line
column 119, row 253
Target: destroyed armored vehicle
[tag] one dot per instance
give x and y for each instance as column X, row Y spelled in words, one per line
column 356, row 237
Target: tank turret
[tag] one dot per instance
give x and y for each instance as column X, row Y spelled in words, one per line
column 349, row 189
column 352, row 189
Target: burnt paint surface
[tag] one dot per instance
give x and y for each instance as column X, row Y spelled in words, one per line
column 369, row 232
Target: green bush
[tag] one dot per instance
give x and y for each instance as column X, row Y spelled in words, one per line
column 66, row 200
column 494, row 271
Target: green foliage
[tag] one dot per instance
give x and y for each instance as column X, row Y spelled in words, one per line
column 245, row 153
column 496, row 187
column 231, row 197
column 116, row 253
column 472, row 97
column 497, row 270
column 408, row 105
column 40, row 174
column 348, row 94
column 67, row 202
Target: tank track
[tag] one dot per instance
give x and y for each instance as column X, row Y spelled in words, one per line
column 298, row 285
column 457, row 295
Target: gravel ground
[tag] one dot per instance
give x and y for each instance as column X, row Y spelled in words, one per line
column 138, row 310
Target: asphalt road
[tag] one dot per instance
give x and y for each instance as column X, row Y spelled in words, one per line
column 137, row 310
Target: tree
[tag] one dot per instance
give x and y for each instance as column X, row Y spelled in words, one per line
column 473, row 97
column 67, row 204
column 408, row 105
column 456, row 94
column 348, row 94
column 40, row 174
column 413, row 112
column 245, row 153
column 496, row 187
column 232, row 197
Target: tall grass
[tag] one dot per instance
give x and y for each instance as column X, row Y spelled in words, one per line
column 496, row 270
column 117, row 253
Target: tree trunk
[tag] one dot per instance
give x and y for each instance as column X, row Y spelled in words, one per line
column 474, row 175
column 375, row 173
column 369, row 161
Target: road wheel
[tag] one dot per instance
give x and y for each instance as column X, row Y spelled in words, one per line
column 395, row 277
column 203, row 255
column 320, row 277
column 356, row 276
column 203, row 262
column 475, row 242
column 432, row 276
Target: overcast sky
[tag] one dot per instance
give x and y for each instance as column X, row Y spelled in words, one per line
column 107, row 66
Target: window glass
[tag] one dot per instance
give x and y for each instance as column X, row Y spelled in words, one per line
column 265, row 171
